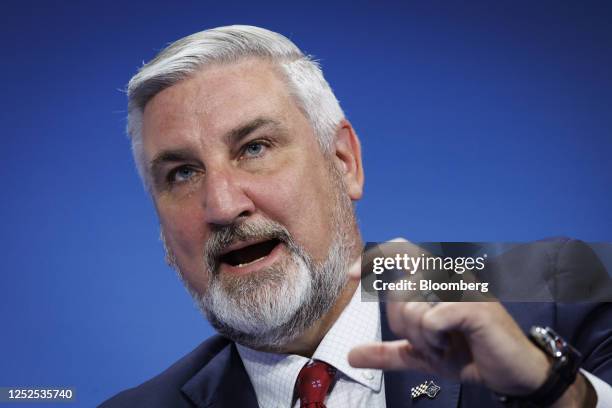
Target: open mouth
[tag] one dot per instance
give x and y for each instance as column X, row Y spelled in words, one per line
column 249, row 254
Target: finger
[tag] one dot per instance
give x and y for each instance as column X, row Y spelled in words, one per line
column 405, row 320
column 449, row 316
column 354, row 271
column 437, row 322
column 390, row 355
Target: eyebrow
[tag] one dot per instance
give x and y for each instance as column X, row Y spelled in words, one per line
column 236, row 135
column 170, row 156
column 232, row 137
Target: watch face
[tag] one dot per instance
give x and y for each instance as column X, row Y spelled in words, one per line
column 554, row 346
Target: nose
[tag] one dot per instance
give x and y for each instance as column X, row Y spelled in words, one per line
column 224, row 199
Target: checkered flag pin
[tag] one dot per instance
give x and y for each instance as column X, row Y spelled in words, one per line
column 428, row 388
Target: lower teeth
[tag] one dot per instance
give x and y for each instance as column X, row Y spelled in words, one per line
column 248, row 263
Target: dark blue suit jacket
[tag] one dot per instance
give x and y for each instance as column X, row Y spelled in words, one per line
column 213, row 376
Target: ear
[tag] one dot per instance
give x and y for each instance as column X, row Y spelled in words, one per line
column 348, row 159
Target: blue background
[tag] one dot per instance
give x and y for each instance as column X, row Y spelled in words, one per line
column 486, row 121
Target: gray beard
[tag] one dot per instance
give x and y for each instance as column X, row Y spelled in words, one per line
column 270, row 308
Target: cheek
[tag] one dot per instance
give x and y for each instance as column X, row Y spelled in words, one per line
column 301, row 201
column 184, row 235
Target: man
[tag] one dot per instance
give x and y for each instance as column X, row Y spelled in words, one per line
column 253, row 169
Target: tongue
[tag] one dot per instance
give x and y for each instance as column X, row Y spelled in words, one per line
column 249, row 253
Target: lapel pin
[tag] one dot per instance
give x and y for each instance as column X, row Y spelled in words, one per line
column 428, row 388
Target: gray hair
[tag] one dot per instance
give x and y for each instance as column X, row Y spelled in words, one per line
column 190, row 54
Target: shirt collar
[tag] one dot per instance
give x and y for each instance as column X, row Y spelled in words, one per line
column 273, row 375
column 359, row 323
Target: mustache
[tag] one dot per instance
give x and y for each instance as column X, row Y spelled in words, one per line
column 224, row 236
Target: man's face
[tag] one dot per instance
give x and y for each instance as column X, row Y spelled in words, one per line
column 243, row 191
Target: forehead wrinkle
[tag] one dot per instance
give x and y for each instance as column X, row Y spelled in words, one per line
column 191, row 111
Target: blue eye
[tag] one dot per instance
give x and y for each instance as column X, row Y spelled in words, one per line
column 254, row 149
column 181, row 174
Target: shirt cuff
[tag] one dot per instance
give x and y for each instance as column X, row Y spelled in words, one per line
column 603, row 390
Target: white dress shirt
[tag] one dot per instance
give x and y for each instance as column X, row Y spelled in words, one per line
column 602, row 389
column 273, row 375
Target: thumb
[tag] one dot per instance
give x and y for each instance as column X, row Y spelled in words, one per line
column 354, row 272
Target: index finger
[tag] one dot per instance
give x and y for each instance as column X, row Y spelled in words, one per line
column 388, row 355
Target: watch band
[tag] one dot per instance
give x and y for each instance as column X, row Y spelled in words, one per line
column 565, row 365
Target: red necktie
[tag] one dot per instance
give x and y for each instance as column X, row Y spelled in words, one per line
column 313, row 382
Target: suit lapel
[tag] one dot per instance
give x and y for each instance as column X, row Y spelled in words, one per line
column 223, row 382
column 398, row 384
